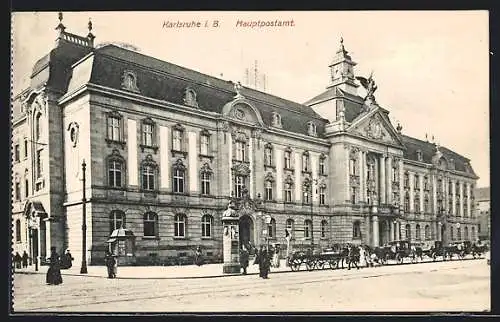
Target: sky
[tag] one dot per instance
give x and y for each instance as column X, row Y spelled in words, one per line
column 431, row 67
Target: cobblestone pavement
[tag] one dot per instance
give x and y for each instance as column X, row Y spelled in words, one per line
column 440, row 286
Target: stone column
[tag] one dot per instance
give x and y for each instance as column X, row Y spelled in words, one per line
column 469, row 210
column 434, row 193
column 421, row 185
column 391, row 230
column 401, row 183
column 411, row 179
column 388, row 185
column 362, row 176
column 230, row 242
column 347, row 184
column 453, row 196
column 461, row 188
column 230, row 164
column 251, row 189
column 382, row 180
column 375, row 230
column 438, row 231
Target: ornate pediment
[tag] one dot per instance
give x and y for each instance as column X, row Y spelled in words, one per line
column 376, row 128
column 241, row 169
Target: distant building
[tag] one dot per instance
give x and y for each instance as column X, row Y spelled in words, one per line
column 167, row 148
column 483, row 210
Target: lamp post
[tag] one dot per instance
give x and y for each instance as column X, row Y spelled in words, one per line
column 83, row 269
column 267, row 219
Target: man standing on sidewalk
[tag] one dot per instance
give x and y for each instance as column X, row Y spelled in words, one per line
column 244, row 259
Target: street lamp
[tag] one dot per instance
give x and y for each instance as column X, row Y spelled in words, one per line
column 83, row 269
column 268, row 219
column 34, row 228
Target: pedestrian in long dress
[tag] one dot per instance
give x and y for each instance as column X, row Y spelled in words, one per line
column 25, row 259
column 54, row 272
column 264, row 263
column 17, row 260
column 276, row 256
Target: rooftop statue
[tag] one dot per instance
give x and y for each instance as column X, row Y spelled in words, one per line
column 370, row 86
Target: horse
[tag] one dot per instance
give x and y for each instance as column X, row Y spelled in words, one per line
column 353, row 256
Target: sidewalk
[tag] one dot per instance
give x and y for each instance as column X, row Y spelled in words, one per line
column 155, row 272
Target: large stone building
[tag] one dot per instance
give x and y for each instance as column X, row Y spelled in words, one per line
column 166, row 149
column 483, row 211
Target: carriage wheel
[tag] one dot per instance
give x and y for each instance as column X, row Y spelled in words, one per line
column 310, row 265
column 413, row 259
column 295, row 266
column 399, row 259
column 333, row 264
column 320, row 265
column 433, row 257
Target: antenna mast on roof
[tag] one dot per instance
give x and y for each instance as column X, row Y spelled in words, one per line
column 255, row 74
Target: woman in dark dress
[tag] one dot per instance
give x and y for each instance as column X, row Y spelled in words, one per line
column 54, row 272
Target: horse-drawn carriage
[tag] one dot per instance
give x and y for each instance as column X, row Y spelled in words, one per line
column 397, row 251
column 333, row 257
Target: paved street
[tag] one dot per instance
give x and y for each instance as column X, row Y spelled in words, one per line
column 440, row 286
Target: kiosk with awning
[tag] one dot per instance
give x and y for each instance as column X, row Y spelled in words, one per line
column 121, row 243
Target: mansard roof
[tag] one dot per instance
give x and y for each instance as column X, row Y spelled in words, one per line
column 166, row 81
column 428, row 150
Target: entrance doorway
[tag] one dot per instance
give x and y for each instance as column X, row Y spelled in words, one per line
column 246, row 231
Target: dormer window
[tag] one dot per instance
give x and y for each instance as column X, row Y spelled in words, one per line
column 312, row 129
column 190, row 97
column 277, row 120
column 129, row 81
column 419, row 155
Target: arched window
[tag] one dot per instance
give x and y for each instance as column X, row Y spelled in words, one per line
column 180, row 225
column 18, row 231
column 269, row 190
column 308, row 228
column 290, row 226
column 150, row 224
column 324, row 228
column 38, row 125
column 408, row 231
column 417, row 232
column 149, row 168
column 206, row 176
column 288, row 189
column 116, row 220
column 466, row 233
column 206, row 225
column 356, row 230
column 271, row 229
column 473, row 233
column 178, row 176
column 427, row 232
column 459, row 233
column 115, row 170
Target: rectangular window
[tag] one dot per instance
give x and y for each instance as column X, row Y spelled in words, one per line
column 16, row 152
column 114, row 128
column 239, row 184
column 147, row 134
column 178, row 181
column 288, row 160
column 177, row 140
column 352, row 167
column 206, row 226
column 204, row 144
column 115, row 173
column 417, row 183
column 288, row 192
column 305, row 197
column 394, row 175
column 353, row 195
column 148, row 178
column 25, row 148
column 205, row 183
column 39, row 164
column 305, row 163
column 322, row 195
column 240, row 151
column 322, row 166
column 150, row 225
column 180, row 226
column 26, row 188
column 18, row 191
column 269, row 190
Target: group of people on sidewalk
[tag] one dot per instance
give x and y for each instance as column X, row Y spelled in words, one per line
column 21, row 261
column 266, row 257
